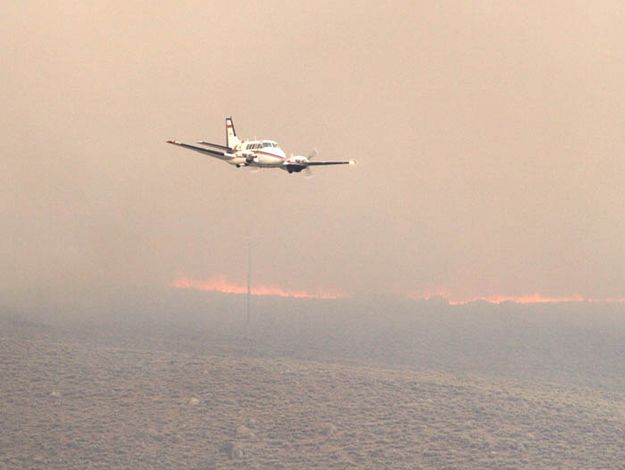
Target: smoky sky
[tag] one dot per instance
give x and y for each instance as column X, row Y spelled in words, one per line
column 489, row 136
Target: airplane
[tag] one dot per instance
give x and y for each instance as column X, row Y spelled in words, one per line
column 256, row 153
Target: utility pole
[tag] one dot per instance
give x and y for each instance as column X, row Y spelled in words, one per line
column 249, row 286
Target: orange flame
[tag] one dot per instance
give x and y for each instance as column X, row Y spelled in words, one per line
column 520, row 299
column 517, row 299
column 219, row 284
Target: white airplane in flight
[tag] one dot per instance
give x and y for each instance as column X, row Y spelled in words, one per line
column 256, row 153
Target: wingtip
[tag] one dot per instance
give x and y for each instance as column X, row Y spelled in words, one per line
column 352, row 162
column 172, row 142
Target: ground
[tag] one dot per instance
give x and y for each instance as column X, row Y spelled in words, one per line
column 81, row 398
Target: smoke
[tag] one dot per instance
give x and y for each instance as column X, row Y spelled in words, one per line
column 489, row 139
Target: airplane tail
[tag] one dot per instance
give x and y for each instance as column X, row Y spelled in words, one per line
column 231, row 135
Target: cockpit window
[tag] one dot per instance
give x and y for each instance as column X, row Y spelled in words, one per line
column 266, row 144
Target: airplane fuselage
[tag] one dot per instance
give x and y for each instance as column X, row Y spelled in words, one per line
column 263, row 154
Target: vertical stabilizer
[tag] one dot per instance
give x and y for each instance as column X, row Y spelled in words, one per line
column 231, row 135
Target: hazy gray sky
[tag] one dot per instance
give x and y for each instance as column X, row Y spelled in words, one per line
column 490, row 137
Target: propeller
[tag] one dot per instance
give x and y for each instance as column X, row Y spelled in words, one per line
column 307, row 171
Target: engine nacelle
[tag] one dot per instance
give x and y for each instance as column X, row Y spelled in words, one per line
column 295, row 164
column 292, row 167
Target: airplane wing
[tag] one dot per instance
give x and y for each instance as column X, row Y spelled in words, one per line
column 205, row 151
column 217, row 146
column 320, row 163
